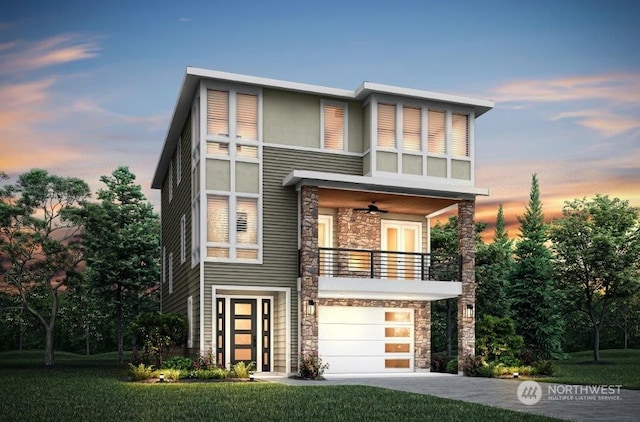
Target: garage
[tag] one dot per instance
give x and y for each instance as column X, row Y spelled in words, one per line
column 365, row 339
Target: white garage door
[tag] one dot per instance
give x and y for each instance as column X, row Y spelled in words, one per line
column 365, row 340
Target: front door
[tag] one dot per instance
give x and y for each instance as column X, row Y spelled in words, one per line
column 243, row 330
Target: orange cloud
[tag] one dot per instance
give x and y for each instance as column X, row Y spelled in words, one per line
column 608, row 124
column 25, row 56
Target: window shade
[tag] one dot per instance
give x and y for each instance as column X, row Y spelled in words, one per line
column 247, row 116
column 217, row 113
column 247, row 221
column 217, row 219
column 460, row 135
column 411, row 128
column 333, row 127
column 386, row 125
column 436, row 136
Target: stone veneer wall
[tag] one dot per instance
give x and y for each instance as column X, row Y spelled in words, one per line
column 356, row 230
column 466, row 245
column 308, row 267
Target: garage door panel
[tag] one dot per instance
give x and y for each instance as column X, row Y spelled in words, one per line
column 365, row 340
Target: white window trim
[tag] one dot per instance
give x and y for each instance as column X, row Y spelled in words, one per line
column 179, row 162
column 345, row 137
column 196, row 223
column 170, row 272
column 164, row 264
column 183, row 239
column 171, row 179
column 190, row 322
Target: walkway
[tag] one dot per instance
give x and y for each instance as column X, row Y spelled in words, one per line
column 561, row 401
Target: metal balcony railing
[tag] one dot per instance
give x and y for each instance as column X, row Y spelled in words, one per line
column 368, row 263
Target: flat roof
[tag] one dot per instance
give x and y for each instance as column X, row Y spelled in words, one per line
column 193, row 75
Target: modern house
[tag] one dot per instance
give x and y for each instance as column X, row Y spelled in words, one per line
column 296, row 218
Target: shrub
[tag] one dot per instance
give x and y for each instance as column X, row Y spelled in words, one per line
column 157, row 333
column 452, row 366
column 206, row 360
column 485, row 371
column 207, row 374
column 544, row 367
column 169, row 374
column 140, row 372
column 497, row 340
column 471, row 364
column 311, row 367
column 242, row 370
column 439, row 362
column 178, row 362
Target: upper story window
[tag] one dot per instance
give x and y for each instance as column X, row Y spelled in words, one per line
column 412, row 128
column 460, row 134
column 334, row 125
column 232, row 114
column 387, row 125
column 436, row 138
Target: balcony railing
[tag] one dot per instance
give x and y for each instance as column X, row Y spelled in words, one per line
column 367, row 263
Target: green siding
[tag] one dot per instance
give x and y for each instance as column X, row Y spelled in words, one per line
column 436, row 167
column 280, row 230
column 461, row 169
column 412, row 164
column 387, row 161
column 355, row 127
column 291, row 118
column 185, row 279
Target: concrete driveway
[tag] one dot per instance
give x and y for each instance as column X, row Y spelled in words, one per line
column 579, row 403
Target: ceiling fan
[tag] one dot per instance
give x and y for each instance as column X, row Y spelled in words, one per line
column 372, row 208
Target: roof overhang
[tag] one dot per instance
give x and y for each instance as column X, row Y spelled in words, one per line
column 193, row 75
column 299, row 178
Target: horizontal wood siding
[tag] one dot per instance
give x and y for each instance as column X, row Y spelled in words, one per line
column 280, row 230
column 185, row 279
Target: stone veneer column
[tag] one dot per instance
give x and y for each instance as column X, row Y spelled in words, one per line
column 466, row 245
column 309, row 267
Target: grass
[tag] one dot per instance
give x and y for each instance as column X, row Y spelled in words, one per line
column 618, row 367
column 87, row 388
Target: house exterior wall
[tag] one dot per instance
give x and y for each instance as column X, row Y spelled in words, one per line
column 185, row 278
column 466, row 245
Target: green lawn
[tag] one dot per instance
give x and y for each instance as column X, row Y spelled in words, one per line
column 81, row 388
column 618, row 367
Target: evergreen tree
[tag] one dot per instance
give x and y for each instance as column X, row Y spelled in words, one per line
column 494, row 264
column 534, row 295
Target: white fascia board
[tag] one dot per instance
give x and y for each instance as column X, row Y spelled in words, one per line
column 300, row 178
column 271, row 83
column 370, row 288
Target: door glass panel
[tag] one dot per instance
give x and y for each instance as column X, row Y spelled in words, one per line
column 397, row 348
column 397, row 316
column 396, row 332
column 396, row 363
column 242, row 354
column 242, row 324
column 242, row 309
column 242, row 339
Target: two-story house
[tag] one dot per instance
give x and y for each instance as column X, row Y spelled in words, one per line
column 296, row 218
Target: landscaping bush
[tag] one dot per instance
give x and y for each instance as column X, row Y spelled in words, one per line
column 497, row 340
column 439, row 362
column 178, row 362
column 471, row 364
column 170, row 374
column 209, row 374
column 311, row 367
column 158, row 333
column 452, row 366
column 206, row 360
column 544, row 367
column 140, row 372
column 242, row 370
column 485, row 370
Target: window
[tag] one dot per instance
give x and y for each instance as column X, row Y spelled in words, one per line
column 217, row 113
column 190, row 321
column 460, row 135
column 164, row 264
column 411, row 128
column 241, row 222
column 334, row 126
column 436, row 136
column 386, row 125
column 247, row 116
column 217, row 219
column 247, row 221
column 245, row 122
column 183, row 239
column 195, row 232
column 179, row 162
column 170, row 272
column 170, row 180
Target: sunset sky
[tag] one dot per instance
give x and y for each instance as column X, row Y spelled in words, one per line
column 87, row 87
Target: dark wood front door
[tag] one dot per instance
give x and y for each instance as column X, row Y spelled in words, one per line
column 243, row 330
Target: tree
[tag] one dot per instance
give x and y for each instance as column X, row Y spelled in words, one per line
column 535, row 298
column 40, row 243
column 493, row 268
column 597, row 248
column 123, row 247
